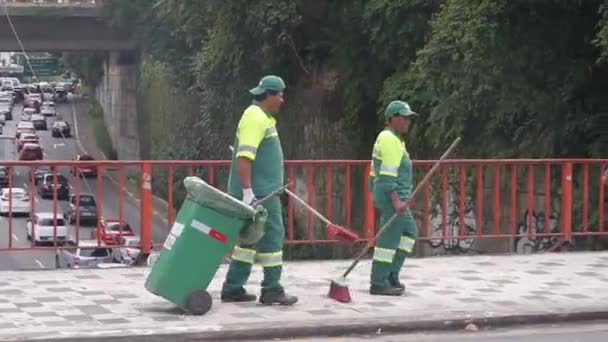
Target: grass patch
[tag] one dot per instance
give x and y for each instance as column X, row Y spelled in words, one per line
column 102, row 136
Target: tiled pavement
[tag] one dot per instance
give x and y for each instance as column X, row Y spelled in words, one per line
column 113, row 302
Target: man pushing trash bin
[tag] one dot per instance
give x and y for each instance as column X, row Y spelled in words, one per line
column 256, row 171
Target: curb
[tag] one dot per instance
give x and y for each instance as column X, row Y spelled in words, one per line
column 376, row 327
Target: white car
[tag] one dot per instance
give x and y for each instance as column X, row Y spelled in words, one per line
column 129, row 253
column 27, row 114
column 42, row 228
column 87, row 255
column 48, row 109
column 20, row 201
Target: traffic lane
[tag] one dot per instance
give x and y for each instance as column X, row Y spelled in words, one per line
column 14, row 228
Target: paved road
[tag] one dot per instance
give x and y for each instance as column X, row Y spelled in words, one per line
column 58, row 149
column 592, row 332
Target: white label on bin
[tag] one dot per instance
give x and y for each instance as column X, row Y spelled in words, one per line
column 169, row 242
column 177, row 229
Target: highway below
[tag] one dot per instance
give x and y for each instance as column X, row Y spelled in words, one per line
column 13, row 230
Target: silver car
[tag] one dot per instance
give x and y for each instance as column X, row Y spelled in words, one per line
column 86, row 255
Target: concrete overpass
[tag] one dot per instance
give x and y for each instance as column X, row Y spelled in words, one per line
column 73, row 25
column 60, row 25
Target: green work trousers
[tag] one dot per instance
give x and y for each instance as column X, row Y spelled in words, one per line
column 268, row 251
column 393, row 246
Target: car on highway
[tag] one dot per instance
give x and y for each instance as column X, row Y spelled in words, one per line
column 31, row 151
column 111, row 230
column 2, row 119
column 61, row 129
column 39, row 172
column 27, row 138
column 84, row 171
column 26, row 114
column 7, row 86
column 6, row 111
column 31, row 98
column 15, row 200
column 24, row 127
column 41, row 228
column 86, row 255
column 129, row 253
column 46, row 187
column 84, row 206
column 4, row 175
column 39, row 122
column 61, row 95
column 48, row 109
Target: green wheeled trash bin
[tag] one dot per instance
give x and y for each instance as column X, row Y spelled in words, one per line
column 207, row 226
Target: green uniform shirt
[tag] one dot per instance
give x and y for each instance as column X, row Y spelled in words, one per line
column 391, row 167
column 257, row 140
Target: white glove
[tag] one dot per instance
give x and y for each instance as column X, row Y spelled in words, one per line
column 248, row 196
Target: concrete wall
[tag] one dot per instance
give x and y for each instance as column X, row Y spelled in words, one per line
column 117, row 94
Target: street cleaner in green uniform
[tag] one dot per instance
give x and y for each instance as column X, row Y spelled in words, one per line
column 256, row 171
column 391, row 178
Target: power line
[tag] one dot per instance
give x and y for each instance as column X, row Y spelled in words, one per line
column 27, row 58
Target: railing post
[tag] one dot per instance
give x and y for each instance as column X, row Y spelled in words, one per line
column 146, row 209
column 567, row 201
column 370, row 220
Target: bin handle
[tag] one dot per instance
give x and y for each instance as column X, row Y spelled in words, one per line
column 272, row 194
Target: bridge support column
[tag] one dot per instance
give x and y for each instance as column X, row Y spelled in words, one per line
column 117, row 94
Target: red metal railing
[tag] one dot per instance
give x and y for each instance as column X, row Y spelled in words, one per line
column 467, row 200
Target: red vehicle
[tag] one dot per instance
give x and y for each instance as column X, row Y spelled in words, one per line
column 110, row 231
column 84, row 171
column 31, row 151
column 25, row 138
column 24, row 127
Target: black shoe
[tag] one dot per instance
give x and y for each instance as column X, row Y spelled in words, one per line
column 394, row 282
column 273, row 296
column 385, row 291
column 238, row 296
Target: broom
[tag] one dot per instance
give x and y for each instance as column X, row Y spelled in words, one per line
column 334, row 230
column 338, row 289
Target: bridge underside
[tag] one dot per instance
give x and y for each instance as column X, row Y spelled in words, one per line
column 62, row 34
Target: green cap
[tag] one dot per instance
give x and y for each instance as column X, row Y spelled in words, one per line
column 398, row 107
column 270, row 82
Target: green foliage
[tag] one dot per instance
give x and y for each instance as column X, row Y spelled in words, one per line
column 102, row 136
column 87, row 64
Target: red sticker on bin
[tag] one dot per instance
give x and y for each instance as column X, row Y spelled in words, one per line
column 205, row 229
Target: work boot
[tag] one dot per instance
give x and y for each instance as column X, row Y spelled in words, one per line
column 238, row 296
column 385, row 290
column 275, row 296
column 393, row 280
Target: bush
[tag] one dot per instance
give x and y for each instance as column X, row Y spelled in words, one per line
column 102, row 136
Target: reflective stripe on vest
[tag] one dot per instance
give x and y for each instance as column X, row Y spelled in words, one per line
column 243, row 255
column 406, row 244
column 271, row 259
column 383, row 254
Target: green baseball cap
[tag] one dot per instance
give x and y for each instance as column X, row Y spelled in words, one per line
column 399, row 107
column 270, row 82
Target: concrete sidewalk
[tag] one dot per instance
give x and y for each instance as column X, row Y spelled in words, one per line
column 441, row 293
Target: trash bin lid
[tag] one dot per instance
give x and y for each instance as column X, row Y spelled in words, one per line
column 206, row 195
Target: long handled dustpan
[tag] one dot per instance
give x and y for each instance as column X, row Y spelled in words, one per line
column 338, row 289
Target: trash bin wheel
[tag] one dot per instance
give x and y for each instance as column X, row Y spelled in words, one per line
column 198, row 302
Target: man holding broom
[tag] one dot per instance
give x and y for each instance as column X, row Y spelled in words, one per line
column 392, row 185
column 256, row 171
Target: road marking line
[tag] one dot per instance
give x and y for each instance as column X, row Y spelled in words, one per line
column 40, row 264
column 15, row 237
column 17, row 172
column 36, row 199
column 71, row 188
column 60, row 145
column 24, row 185
column 46, row 155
